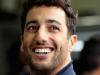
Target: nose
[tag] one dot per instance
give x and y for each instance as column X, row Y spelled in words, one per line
column 42, row 35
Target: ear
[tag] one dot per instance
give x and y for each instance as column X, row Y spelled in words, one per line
column 21, row 47
column 21, row 55
column 72, row 41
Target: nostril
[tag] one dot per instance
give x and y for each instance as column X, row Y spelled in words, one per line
column 41, row 42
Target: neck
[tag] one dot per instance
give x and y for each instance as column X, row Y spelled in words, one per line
column 60, row 67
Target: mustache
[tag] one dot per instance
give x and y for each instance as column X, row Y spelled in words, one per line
column 42, row 42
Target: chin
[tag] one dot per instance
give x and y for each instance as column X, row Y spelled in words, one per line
column 42, row 66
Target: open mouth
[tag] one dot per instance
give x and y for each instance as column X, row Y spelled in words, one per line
column 42, row 50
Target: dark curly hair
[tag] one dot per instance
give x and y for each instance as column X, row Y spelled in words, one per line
column 64, row 4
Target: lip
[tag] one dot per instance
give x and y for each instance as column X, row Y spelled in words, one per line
column 38, row 56
column 42, row 47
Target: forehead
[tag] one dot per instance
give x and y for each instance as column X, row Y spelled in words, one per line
column 43, row 13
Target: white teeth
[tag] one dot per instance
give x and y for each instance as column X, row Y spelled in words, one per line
column 46, row 50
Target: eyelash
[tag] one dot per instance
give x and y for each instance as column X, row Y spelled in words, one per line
column 32, row 28
column 51, row 28
column 54, row 27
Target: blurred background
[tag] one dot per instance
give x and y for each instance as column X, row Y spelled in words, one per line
column 88, row 25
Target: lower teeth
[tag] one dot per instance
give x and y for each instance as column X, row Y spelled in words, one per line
column 40, row 53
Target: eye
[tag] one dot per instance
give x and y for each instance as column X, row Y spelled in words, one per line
column 32, row 28
column 54, row 28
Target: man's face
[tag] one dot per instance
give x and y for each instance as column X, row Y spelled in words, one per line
column 45, row 41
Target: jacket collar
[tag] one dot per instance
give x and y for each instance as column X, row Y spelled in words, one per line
column 68, row 70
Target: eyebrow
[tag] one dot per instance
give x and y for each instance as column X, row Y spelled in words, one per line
column 30, row 22
column 53, row 21
column 48, row 21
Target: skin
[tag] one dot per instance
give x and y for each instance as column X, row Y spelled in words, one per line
column 46, row 28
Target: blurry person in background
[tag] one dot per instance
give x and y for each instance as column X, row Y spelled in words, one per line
column 89, row 60
column 48, row 36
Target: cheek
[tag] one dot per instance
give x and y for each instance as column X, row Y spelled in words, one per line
column 27, row 39
column 61, row 41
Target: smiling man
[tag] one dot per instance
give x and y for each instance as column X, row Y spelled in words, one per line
column 48, row 37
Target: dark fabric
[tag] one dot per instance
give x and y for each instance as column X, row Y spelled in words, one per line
column 68, row 70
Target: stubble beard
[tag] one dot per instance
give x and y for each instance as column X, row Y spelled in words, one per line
column 57, row 60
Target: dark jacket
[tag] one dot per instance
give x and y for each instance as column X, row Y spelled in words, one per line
column 68, row 70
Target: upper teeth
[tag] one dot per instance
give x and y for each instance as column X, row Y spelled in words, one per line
column 47, row 50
